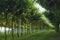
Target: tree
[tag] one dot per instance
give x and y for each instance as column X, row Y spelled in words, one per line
column 53, row 7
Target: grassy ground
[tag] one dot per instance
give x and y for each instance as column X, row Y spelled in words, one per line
column 45, row 35
column 38, row 35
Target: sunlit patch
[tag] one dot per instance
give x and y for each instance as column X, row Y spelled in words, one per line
column 40, row 7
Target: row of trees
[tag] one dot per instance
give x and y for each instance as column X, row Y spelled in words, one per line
column 20, row 14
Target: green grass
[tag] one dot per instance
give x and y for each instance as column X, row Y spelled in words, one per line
column 38, row 35
column 45, row 35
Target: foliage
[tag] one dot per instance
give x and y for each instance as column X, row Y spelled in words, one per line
column 13, row 9
column 20, row 13
column 53, row 7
